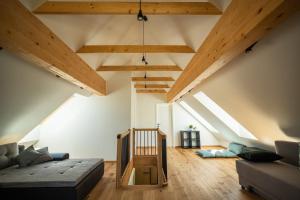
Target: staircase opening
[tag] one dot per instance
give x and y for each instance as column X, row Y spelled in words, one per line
column 141, row 158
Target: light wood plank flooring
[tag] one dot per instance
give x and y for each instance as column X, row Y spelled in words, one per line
column 190, row 177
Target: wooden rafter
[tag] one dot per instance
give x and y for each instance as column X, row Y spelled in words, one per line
column 140, row 68
column 159, row 91
column 136, row 79
column 128, row 8
column 243, row 23
column 144, row 86
column 135, row 49
column 24, row 34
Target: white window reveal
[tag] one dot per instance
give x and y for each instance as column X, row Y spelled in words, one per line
column 198, row 117
column 222, row 115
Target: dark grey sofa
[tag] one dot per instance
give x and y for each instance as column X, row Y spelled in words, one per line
column 70, row 179
column 278, row 180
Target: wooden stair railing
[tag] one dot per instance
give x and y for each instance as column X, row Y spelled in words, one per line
column 162, row 158
column 144, row 142
column 148, row 149
column 123, row 156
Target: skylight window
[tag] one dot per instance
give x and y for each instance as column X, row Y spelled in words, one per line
column 224, row 116
column 197, row 116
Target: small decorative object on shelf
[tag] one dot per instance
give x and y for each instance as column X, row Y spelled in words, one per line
column 190, row 139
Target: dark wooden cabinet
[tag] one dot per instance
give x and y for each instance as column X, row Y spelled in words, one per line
column 190, row 139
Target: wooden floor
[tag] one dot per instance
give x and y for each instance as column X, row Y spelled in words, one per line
column 190, row 177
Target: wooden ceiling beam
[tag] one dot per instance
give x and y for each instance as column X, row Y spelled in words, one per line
column 135, row 49
column 143, row 86
column 24, row 34
column 243, row 23
column 128, row 8
column 139, row 68
column 158, row 91
column 137, row 79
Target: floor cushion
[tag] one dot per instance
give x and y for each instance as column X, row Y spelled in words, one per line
column 236, row 147
column 216, row 153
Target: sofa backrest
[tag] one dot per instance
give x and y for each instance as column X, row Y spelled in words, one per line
column 290, row 151
column 7, row 153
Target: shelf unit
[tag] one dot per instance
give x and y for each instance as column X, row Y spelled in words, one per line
column 190, row 139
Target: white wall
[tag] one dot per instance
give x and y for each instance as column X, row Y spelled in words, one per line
column 182, row 119
column 146, row 109
column 164, row 120
column 28, row 95
column 133, row 105
column 146, row 118
column 87, row 126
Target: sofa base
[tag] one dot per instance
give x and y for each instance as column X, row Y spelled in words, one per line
column 251, row 187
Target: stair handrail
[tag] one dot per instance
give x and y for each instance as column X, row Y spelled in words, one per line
column 161, row 139
column 123, row 158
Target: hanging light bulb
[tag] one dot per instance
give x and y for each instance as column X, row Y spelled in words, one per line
column 140, row 16
column 144, row 60
column 145, row 18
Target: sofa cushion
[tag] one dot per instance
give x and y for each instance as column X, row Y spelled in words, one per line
column 59, row 156
column 259, row 156
column 43, row 150
column 26, row 157
column 21, row 148
column 290, row 151
column 236, row 147
column 7, row 154
column 44, row 156
column 30, row 156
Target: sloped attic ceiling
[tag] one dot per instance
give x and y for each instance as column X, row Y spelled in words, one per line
column 260, row 89
column 79, row 30
column 28, row 95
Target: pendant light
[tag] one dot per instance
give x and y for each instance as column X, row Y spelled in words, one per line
column 140, row 15
column 143, row 18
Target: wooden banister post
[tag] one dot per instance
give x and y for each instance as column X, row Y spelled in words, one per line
column 119, row 156
column 159, row 159
column 133, row 143
column 128, row 145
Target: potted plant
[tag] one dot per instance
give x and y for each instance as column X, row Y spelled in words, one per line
column 191, row 127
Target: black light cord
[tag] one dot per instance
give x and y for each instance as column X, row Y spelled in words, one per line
column 140, row 4
column 143, row 18
column 143, row 42
column 144, row 53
